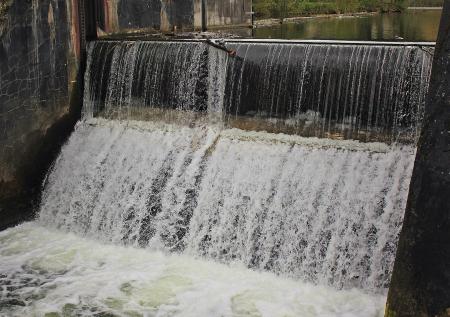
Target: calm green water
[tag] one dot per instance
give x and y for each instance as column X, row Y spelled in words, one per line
column 411, row 25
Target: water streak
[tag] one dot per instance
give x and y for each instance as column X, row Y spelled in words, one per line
column 352, row 91
column 370, row 93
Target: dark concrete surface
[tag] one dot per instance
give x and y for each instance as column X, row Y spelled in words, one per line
column 39, row 100
column 129, row 16
column 420, row 283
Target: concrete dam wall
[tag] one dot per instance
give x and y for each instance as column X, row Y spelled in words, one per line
column 39, row 60
column 124, row 16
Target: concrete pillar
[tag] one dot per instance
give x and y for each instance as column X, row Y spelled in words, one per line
column 88, row 23
column 420, row 283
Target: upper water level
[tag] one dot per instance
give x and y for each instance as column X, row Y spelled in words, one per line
column 411, row 25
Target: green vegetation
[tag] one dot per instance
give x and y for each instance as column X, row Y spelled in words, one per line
column 294, row 8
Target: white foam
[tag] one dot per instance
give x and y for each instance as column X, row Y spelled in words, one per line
column 324, row 211
column 60, row 273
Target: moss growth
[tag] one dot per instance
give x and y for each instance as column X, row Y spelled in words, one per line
column 389, row 313
column 4, row 8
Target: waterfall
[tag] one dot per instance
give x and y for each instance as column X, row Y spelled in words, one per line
column 123, row 79
column 369, row 93
column 319, row 208
column 353, row 91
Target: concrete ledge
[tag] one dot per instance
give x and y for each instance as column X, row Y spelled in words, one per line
column 273, row 41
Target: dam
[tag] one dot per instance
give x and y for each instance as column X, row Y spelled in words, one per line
column 219, row 176
column 305, row 175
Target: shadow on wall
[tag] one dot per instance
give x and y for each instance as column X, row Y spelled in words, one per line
column 39, row 101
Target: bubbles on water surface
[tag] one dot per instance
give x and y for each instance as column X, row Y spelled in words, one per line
column 60, row 274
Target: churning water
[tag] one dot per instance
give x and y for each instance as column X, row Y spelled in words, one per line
column 323, row 214
column 48, row 273
column 327, row 211
column 319, row 211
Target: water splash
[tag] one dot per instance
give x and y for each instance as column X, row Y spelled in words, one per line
column 324, row 211
column 45, row 272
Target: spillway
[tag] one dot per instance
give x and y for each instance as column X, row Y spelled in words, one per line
column 361, row 92
column 364, row 92
column 293, row 161
column 325, row 212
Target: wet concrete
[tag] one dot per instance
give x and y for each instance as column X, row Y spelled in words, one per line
column 130, row 16
column 38, row 97
column 229, row 12
column 421, row 276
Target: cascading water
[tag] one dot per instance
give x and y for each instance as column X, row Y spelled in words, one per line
column 328, row 212
column 366, row 92
column 125, row 77
column 321, row 211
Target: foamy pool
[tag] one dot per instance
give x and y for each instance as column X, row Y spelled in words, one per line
column 45, row 272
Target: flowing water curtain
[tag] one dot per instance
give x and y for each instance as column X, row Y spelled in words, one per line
column 303, row 212
column 124, row 79
column 300, row 211
column 217, row 76
column 328, row 213
column 344, row 91
column 127, row 185
column 351, row 90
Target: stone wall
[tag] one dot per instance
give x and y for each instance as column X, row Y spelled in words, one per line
column 229, row 12
column 124, row 16
column 39, row 50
